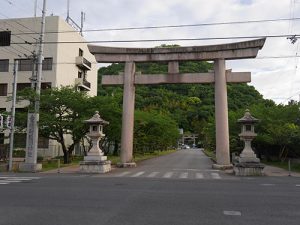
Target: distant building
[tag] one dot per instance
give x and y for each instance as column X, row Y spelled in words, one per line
column 64, row 64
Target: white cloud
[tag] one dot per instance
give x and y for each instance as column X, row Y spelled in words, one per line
column 274, row 78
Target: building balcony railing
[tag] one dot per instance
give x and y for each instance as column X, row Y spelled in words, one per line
column 83, row 63
column 83, row 84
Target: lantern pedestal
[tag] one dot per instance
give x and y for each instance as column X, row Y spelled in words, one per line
column 95, row 166
column 248, row 169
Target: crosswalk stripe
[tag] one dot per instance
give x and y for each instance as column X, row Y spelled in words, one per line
column 168, row 175
column 183, row 175
column 215, row 176
column 123, row 174
column 199, row 176
column 153, row 174
column 138, row 174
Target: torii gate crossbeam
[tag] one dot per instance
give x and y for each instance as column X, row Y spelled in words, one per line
column 220, row 77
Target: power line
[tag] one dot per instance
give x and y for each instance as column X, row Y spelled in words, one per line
column 168, row 39
column 173, row 26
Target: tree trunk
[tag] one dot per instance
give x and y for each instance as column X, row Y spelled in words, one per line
column 116, row 149
column 65, row 151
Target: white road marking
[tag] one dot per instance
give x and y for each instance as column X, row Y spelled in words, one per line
column 183, row 175
column 297, row 185
column 267, row 184
column 31, row 178
column 215, row 176
column 232, row 213
column 123, row 174
column 4, row 183
column 138, row 174
column 199, row 176
column 168, row 175
column 13, row 181
column 153, row 174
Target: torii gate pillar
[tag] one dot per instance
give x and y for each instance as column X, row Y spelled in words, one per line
column 128, row 116
column 221, row 116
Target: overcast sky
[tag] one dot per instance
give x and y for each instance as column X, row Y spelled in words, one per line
column 275, row 78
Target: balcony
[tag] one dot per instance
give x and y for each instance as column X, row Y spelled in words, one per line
column 83, row 63
column 83, row 84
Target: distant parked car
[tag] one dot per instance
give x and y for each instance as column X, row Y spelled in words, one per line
column 185, row 147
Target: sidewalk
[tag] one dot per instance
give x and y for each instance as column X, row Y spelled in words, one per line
column 273, row 171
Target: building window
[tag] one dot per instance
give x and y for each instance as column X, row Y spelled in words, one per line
column 80, row 52
column 47, row 63
column 79, row 74
column 4, row 64
column 3, row 89
column 20, row 140
column 21, row 86
column 43, row 142
column 27, row 64
column 46, row 85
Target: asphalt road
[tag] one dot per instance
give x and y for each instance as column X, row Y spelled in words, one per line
column 130, row 199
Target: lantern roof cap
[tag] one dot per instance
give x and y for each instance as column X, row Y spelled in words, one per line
column 248, row 118
column 96, row 119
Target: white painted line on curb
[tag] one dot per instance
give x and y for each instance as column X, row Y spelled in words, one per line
column 199, row 176
column 232, row 213
column 123, row 174
column 215, row 176
column 138, row 174
column 168, row 175
column 183, row 175
column 153, row 174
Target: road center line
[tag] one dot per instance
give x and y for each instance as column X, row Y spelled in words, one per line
column 267, row 184
column 232, row 213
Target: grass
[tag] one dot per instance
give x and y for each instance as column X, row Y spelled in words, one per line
column 53, row 163
column 210, row 154
column 295, row 167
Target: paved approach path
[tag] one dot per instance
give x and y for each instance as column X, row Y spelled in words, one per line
column 183, row 164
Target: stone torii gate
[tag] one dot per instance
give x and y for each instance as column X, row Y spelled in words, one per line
column 220, row 76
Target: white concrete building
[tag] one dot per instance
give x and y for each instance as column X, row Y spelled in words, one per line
column 64, row 64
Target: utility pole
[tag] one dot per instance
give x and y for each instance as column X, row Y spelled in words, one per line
column 35, row 7
column 13, row 113
column 30, row 164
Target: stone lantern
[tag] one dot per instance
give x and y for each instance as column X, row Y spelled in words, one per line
column 95, row 161
column 247, row 163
